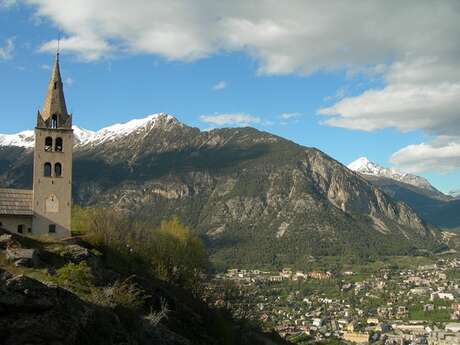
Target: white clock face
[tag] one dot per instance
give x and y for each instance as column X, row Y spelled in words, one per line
column 52, row 204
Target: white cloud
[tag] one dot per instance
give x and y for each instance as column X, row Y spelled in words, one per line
column 45, row 67
column 230, row 119
column 420, row 95
column 89, row 47
column 428, row 157
column 300, row 38
column 404, row 107
column 6, row 52
column 289, row 116
column 219, row 85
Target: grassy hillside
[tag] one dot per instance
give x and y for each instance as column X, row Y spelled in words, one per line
column 94, row 291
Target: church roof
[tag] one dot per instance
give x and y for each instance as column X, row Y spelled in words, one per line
column 54, row 101
column 15, row 202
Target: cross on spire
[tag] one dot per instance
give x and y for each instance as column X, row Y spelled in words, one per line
column 58, row 43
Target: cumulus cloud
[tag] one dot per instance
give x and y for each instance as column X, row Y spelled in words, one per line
column 230, row 119
column 428, row 157
column 419, row 95
column 89, row 47
column 6, row 51
column 219, row 85
column 303, row 37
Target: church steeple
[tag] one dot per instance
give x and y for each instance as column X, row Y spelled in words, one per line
column 54, row 113
column 52, row 191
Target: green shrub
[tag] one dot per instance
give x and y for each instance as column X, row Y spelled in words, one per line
column 76, row 277
column 177, row 255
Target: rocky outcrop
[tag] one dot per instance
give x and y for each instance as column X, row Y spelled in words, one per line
column 5, row 240
column 23, row 257
column 75, row 253
column 33, row 313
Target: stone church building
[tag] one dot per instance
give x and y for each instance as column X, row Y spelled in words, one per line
column 46, row 209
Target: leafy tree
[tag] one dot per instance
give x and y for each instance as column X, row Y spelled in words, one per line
column 171, row 251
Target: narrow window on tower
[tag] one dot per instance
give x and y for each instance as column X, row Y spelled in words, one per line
column 54, row 121
column 55, row 85
column 58, row 146
column 58, row 170
column 48, row 144
column 20, row 228
column 47, row 170
column 52, row 228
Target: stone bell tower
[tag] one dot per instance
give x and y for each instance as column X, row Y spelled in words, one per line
column 52, row 180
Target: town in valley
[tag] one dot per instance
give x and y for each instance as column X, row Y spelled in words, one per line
column 391, row 304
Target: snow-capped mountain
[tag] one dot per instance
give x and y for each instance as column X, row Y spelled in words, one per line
column 22, row 139
column 229, row 179
column 85, row 137
column 364, row 166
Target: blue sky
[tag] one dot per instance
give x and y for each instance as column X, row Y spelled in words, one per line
column 252, row 68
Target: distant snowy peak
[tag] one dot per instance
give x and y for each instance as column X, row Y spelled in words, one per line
column 21, row 139
column 365, row 166
column 86, row 137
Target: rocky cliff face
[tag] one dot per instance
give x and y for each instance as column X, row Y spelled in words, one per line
column 440, row 210
column 256, row 198
column 433, row 206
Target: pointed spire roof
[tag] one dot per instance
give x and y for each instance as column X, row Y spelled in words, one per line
column 54, row 100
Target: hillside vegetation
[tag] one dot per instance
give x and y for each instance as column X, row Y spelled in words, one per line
column 119, row 283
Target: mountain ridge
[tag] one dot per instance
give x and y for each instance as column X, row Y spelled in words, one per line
column 435, row 207
column 255, row 197
column 86, row 137
column 364, row 166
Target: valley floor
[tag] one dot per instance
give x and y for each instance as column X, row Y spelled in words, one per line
column 401, row 299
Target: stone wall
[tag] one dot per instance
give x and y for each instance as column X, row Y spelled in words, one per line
column 12, row 223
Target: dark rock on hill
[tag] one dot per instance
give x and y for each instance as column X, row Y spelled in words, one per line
column 33, row 313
